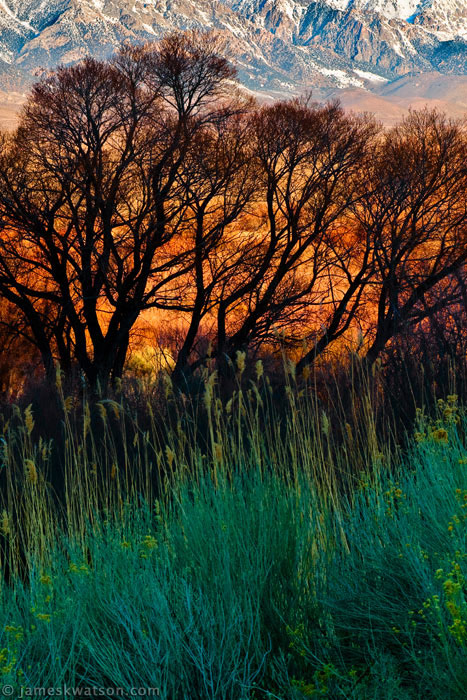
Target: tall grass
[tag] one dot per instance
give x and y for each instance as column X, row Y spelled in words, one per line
column 267, row 559
column 114, row 453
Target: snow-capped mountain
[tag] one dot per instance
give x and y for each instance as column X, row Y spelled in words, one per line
column 447, row 19
column 278, row 45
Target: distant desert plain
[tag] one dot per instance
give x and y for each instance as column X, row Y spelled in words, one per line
column 388, row 102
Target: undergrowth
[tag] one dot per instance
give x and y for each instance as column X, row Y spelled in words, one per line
column 271, row 562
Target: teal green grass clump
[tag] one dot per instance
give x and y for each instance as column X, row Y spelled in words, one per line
column 252, row 584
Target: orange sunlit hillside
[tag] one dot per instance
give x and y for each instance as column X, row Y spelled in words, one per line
column 144, row 194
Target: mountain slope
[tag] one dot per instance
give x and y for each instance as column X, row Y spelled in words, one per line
column 280, row 46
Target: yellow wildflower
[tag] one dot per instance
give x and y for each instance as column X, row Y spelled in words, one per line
column 44, row 616
column 450, row 587
column 149, row 542
column 440, row 435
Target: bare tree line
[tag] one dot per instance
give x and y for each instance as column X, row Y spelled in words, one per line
column 149, row 182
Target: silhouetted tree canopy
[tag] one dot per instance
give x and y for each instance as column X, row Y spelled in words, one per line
column 150, row 182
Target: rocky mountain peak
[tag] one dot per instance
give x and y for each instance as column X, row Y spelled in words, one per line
column 279, row 46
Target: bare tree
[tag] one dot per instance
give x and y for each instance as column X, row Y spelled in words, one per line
column 92, row 201
column 219, row 176
column 148, row 182
column 298, row 269
column 414, row 207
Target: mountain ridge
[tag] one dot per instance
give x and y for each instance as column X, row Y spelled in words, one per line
column 314, row 38
column 280, row 47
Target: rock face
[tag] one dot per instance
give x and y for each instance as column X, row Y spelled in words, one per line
column 279, row 46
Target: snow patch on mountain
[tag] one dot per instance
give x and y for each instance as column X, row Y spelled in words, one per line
column 275, row 43
column 372, row 77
